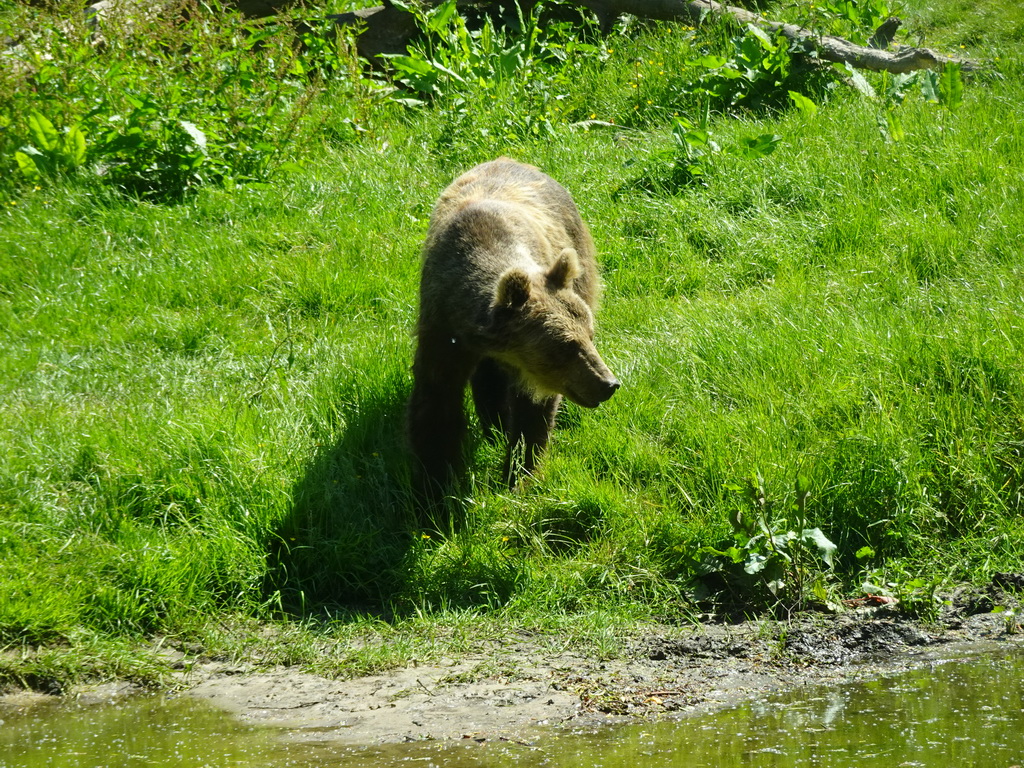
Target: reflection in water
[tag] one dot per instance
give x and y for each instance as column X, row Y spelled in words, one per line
column 136, row 732
column 956, row 713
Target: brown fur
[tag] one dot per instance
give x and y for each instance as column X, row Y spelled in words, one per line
column 507, row 295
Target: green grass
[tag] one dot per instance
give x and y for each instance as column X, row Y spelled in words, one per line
column 201, row 403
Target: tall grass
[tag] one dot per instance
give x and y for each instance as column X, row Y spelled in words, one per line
column 201, row 403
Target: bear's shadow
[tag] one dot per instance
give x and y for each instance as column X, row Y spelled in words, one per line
column 352, row 518
column 343, row 547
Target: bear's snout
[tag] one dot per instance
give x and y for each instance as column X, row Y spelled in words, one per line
column 596, row 387
column 604, row 389
column 611, row 386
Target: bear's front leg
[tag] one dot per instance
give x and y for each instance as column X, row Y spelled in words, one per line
column 437, row 419
column 491, row 386
column 528, row 433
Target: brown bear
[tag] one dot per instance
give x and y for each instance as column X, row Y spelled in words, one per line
column 507, row 294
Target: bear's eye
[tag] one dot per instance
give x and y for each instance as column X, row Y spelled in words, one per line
column 567, row 351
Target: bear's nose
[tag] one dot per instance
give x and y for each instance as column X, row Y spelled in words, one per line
column 610, row 386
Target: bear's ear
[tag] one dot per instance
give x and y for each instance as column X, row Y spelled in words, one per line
column 513, row 289
column 565, row 269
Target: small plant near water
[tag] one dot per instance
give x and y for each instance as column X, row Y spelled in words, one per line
column 918, row 595
column 913, row 594
column 774, row 558
column 1011, row 619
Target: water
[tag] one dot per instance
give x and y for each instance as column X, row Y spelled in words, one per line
column 963, row 713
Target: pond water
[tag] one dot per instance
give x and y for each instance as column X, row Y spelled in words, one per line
column 963, row 713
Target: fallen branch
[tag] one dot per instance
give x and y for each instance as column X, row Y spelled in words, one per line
column 827, row 47
column 389, row 30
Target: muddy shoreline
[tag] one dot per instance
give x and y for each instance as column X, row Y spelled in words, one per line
column 516, row 688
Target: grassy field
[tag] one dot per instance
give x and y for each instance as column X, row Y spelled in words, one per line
column 205, row 354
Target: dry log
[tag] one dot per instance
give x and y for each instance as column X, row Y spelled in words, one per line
column 389, row 30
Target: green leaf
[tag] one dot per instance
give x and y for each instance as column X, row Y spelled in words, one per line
column 733, row 553
column 731, row 74
column 803, row 487
column 43, row 132
column 440, row 17
column 891, row 127
column 74, row 146
column 415, row 65
column 254, row 38
column 951, row 86
column 858, row 82
column 737, row 521
column 898, row 87
column 756, row 563
column 930, row 86
column 807, row 107
column 696, row 138
column 864, row 553
column 782, row 541
column 825, row 547
column 197, row 136
column 758, row 146
column 410, row 102
column 760, row 34
column 710, row 62
column 508, row 63
column 450, row 72
column 27, row 166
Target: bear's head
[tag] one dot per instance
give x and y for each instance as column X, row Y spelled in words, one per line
column 541, row 327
